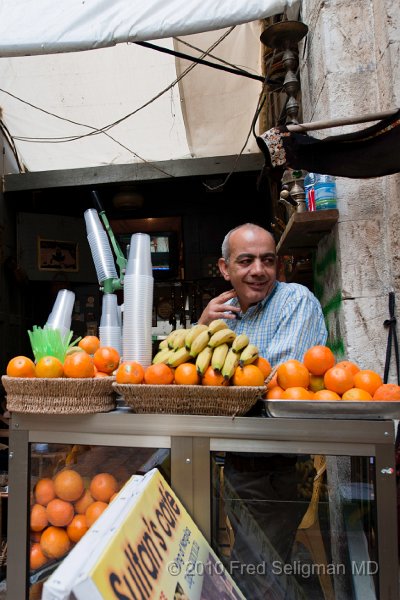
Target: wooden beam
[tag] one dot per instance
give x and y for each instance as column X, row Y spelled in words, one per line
column 132, row 173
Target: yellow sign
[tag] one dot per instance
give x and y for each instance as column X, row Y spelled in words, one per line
column 155, row 552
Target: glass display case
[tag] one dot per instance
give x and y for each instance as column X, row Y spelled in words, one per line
column 303, row 508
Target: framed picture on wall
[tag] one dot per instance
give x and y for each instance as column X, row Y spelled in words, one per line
column 56, row 255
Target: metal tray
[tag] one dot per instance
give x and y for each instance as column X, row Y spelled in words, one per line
column 325, row 409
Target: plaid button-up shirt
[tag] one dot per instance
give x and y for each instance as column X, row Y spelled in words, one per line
column 283, row 325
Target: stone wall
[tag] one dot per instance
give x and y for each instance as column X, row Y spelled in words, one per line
column 350, row 65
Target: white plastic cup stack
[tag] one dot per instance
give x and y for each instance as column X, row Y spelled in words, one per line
column 99, row 246
column 61, row 315
column 110, row 331
column 138, row 302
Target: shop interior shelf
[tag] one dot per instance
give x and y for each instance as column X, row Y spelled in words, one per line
column 305, row 229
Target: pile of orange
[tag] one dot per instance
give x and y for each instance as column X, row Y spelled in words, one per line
column 63, row 510
column 186, row 374
column 320, row 377
column 87, row 359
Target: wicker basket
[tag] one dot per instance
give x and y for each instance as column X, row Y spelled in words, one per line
column 59, row 395
column 189, row 399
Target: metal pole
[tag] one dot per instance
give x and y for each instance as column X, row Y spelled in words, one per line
column 298, row 128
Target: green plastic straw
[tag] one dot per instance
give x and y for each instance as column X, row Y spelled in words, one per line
column 49, row 342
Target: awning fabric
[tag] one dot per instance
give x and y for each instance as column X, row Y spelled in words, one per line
column 75, row 92
column 46, row 26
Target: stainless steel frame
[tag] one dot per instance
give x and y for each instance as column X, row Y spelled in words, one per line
column 191, row 438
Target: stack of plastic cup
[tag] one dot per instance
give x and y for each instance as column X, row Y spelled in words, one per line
column 99, row 246
column 61, row 315
column 110, row 331
column 138, row 302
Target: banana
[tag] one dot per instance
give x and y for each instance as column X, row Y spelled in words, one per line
column 179, row 339
column 248, row 355
column 240, row 342
column 192, row 334
column 216, row 325
column 230, row 364
column 162, row 356
column 199, row 343
column 171, row 337
column 203, row 360
column 163, row 344
column 223, row 336
column 218, row 356
column 178, row 357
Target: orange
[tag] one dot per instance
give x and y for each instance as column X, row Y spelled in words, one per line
column 94, row 511
column 326, row 395
column 275, row 393
column 36, row 557
column 273, row 382
column 83, row 502
column 59, row 512
column 356, row 394
column 129, row 371
column 35, row 535
column 69, row 485
column 297, row 393
column 339, row 380
column 186, row 374
column 77, row 528
column 78, row 364
column 100, row 374
column 248, row 375
column 293, row 373
column 55, row 542
column 347, row 364
column 90, row 343
column 388, row 392
column 264, row 365
column 21, row 366
column 316, row 383
column 103, row 486
column 160, row 374
column 367, row 380
column 113, row 497
column 49, row 366
column 106, row 359
column 44, row 491
column 319, row 359
column 212, row 377
column 39, row 518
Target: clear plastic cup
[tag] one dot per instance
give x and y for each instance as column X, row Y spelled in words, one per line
column 99, row 243
column 61, row 314
column 110, row 316
column 102, row 256
column 111, row 336
column 139, row 258
column 138, row 316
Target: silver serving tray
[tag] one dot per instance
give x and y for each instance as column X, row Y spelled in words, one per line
column 325, row 409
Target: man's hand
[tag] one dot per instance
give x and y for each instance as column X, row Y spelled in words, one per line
column 218, row 308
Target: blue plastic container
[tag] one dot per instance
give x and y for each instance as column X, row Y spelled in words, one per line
column 325, row 192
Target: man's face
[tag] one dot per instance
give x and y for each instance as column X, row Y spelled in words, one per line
column 252, row 265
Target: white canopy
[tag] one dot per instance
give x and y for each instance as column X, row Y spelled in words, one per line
column 87, row 96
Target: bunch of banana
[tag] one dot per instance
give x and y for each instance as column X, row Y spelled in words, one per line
column 203, row 360
column 248, row 355
column 223, row 336
column 230, row 364
column 216, row 345
column 192, row 333
column 178, row 356
column 218, row 356
column 162, row 356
